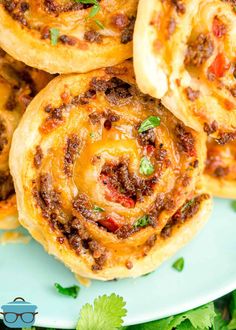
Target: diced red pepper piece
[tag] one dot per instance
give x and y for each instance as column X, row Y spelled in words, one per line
column 114, row 196
column 110, row 224
column 218, row 28
column 150, row 149
column 220, row 65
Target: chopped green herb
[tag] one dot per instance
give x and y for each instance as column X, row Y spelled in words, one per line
column 98, row 209
column 179, row 264
column 233, row 205
column 149, row 123
column 106, row 313
column 92, row 135
column 95, row 9
column 54, row 34
column 142, row 222
column 71, row 291
column 99, row 24
column 146, row 166
column 188, row 204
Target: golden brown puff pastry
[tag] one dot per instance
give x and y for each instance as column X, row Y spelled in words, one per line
column 184, row 53
column 99, row 184
column 220, row 170
column 60, row 36
column 18, row 84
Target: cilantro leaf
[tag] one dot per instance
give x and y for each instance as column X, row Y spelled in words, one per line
column 149, row 123
column 106, row 314
column 200, row 318
column 233, row 205
column 142, row 222
column 95, row 9
column 71, row 291
column 179, row 264
column 146, row 166
column 54, row 34
column 219, row 323
column 232, row 323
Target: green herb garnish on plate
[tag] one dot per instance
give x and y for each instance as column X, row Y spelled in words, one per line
column 233, row 205
column 179, row 264
column 71, row 291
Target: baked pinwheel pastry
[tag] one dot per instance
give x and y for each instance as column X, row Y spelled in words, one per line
column 106, row 179
column 184, row 53
column 18, row 84
column 61, row 36
column 220, row 170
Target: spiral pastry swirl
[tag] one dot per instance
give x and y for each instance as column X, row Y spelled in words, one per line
column 107, row 177
column 184, row 53
column 220, row 170
column 18, row 84
column 61, row 36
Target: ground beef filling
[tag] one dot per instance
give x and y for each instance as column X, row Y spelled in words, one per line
column 52, row 6
column 38, row 157
column 179, row 6
column 116, row 90
column 6, row 185
column 81, row 242
column 186, row 141
column 226, row 138
column 3, row 135
column 71, row 150
column 23, row 88
column 124, row 187
column 185, row 213
column 199, row 50
column 127, row 34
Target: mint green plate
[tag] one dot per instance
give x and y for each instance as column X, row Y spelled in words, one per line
column 210, row 271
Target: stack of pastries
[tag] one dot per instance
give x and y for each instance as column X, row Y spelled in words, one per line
column 132, row 130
